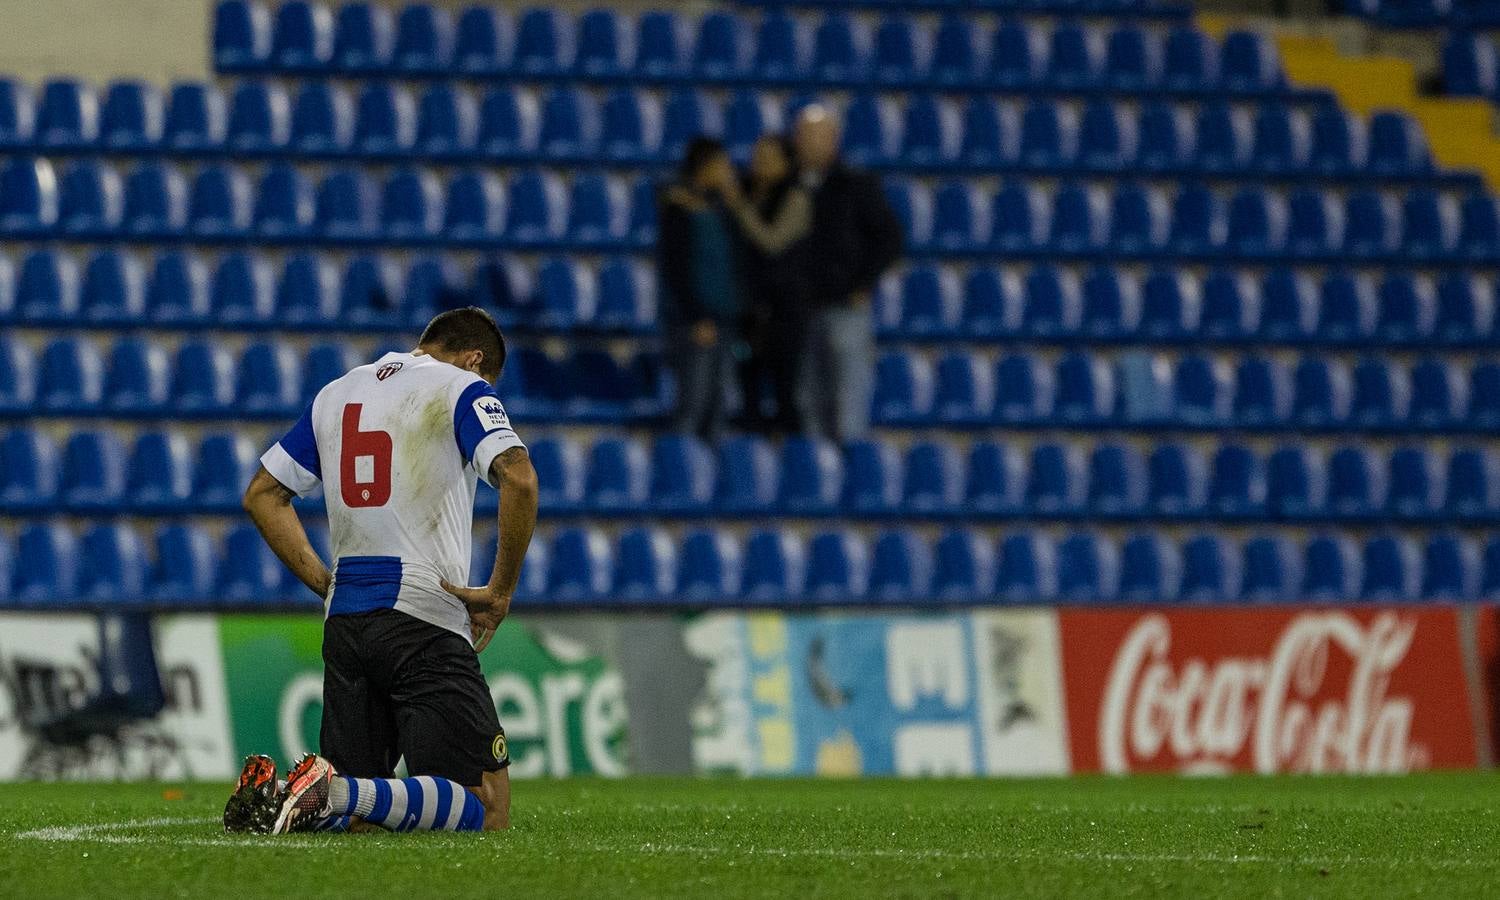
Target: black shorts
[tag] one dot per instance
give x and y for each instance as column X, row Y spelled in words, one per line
column 395, row 686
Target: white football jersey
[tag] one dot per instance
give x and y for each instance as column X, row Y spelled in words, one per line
column 397, row 446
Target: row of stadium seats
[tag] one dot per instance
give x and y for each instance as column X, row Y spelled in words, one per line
column 535, row 210
column 721, row 47
column 309, row 291
column 1428, row 13
column 958, row 389
column 629, row 126
column 1471, row 65
column 680, row 476
column 110, row 564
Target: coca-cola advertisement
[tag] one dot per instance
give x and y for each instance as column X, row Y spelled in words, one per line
column 1374, row 690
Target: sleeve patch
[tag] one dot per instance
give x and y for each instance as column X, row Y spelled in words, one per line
column 490, row 413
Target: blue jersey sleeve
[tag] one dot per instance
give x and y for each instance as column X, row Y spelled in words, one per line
column 293, row 460
column 481, row 427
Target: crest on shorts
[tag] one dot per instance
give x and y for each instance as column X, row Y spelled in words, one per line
column 387, row 370
column 499, row 749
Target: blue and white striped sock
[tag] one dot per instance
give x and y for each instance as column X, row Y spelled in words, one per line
column 423, row 803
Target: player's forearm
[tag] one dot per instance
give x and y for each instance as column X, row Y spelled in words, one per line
column 269, row 505
column 517, row 517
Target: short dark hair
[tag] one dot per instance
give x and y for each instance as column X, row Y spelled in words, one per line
column 699, row 153
column 469, row 328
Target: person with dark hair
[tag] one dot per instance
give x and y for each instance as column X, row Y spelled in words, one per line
column 774, row 213
column 698, row 266
column 397, row 446
column 855, row 238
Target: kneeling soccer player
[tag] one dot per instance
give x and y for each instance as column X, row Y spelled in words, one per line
column 397, row 446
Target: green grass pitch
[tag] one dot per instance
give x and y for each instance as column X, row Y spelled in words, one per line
column 1434, row 835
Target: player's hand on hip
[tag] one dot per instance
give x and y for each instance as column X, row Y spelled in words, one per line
column 487, row 608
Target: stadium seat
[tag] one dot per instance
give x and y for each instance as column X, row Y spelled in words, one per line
column 1169, row 305
column 747, row 481
column 1378, row 398
column 302, row 37
column 560, row 470
column 1207, row 570
column 113, row 288
column 894, row 58
column 1330, row 569
column 1437, row 395
column 1248, row 62
column 1314, row 224
column 1018, row 219
column 137, row 376
column 933, row 482
column 184, row 568
column 1270, row 571
column 67, row 115
column 838, row 568
column 411, row 205
column 929, row 303
column 131, row 116
column 447, row 122
column 159, row 476
column 248, row 571
column 625, row 296
column 1052, row 304
column 629, row 126
column 385, row 120
column 1190, row 59
column 259, row 118
column 28, row 196
column 1175, row 481
column 1055, row 481
column 536, row 208
column 994, row 478
column 483, row 41
column 1077, row 220
column 1230, row 305
column 363, row 35
column 112, row 564
column 201, row 380
column 48, row 287
column 475, row 207
column 1197, row 218
column 196, row 119
column 1137, row 219
column 1405, row 309
column 322, row 119
column 424, row 39
column 222, row 470
column 1111, row 302
column 1429, row 224
column 987, row 134
column 156, row 202
column 1116, row 480
column 1450, row 568
column 1085, row 390
column 177, row 291
column 1224, row 135
column 645, row 566
column 284, row 205
column 963, row 568
column 1261, row 393
column 956, row 225
column 70, row 376
column 307, row 291
column 46, row 566
column 774, row 568
column 346, row 207
column 1484, row 395
column 243, row 289
column 1411, row 483
column 1256, row 223
column 1087, row 569
column 544, row 43
column 1027, row 570
column 1236, row 484
column 903, row 389
column 1479, row 226
column 1149, row 567
column 719, row 52
column 1355, row 483
column 29, row 479
column 1288, row 305
column 1164, row 139
column 241, row 34
column 811, row 476
column 93, row 471
column 1346, row 308
column 219, row 203
column 1320, row 393
column 1048, row 136
column 597, row 211
column 17, row 113
column 1392, row 569
column 963, row 392
column 617, row 475
column 871, row 130
column 509, row 123
column 991, row 300
column 900, row 568
column 872, row 478
column 1397, row 145
column 1023, row 389
column 267, row 380
column 660, row 45
column 1465, row 308
column 708, row 567
column 681, row 475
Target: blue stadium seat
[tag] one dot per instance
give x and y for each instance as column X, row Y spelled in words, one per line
column 1018, row 219
column 536, row 208
column 988, row 134
column 1073, row 57
column 196, row 119
column 241, row 34
column 284, row 205
column 29, row 478
column 385, row 120
column 708, row 568
column 912, row 203
column 28, row 196
column 475, row 207
column 812, row 476
column 748, row 115
column 1465, row 308
column 1335, row 140
column 1224, row 138
column 1049, row 135
column 1190, row 59
column 964, row 393
column 1490, row 578
column 872, row 477
column 17, row 374
column 447, row 122
column 560, row 471
column 682, row 475
column 900, row 568
column 323, row 364
column 1148, row 569
column 955, row 51
column 131, row 116
column 1484, row 395
column 1248, row 62
column 363, row 35
column 1137, row 219
column 719, row 52
column 1087, row 568
column 747, row 476
column 17, row 113
column 302, row 38
column 267, row 380
column 483, row 41
column 1027, row 570
column 779, row 44
column 1164, row 137
column 1230, row 305
column 645, row 566
column 660, row 45
column 629, row 122
column 248, row 571
column 1479, row 226
column 1017, row 57
column 840, row 49
column 963, row 567
column 219, row 202
column 597, row 211
column 565, row 295
column 1470, row 65
column 1437, row 395
column 411, row 205
column 1256, row 223
column 1312, row 224
column 1085, row 389
column 838, row 568
column 1371, row 224
column 994, row 478
column 602, row 47
column 90, row 199
column 1346, row 307
column 259, row 118
column 1287, row 305
column 1111, row 302
column 1295, row 483
column 509, row 123
column 1411, row 483
column 544, row 43
column 156, row 202
column 625, row 296
column 1320, row 392
column 1450, row 568
column 222, row 471
column 70, row 376
column 138, row 373
column 48, row 287
column 67, row 115
column 1055, row 481
column 1053, row 302
column 322, row 119
column 933, row 482
column 1169, row 305
column 243, row 289
column 184, row 569
column 1200, row 396
column 429, row 287
column 990, row 302
column 424, row 39
column 93, row 471
column 894, row 60
column 113, row 564
column 346, row 206
column 177, row 291
column 1270, row 571
column 1198, row 222
column 307, row 290
column 1175, row 481
column 930, row 132
column 1378, row 397
column 1116, row 480
column 1397, row 145
column 201, row 379
column 1078, row 224
column 1207, row 570
column 870, row 134
column 1262, row 394
column 775, row 569
column 47, row 564
column 1330, row 569
column 1392, row 569
column 1405, row 309
column 1236, row 484
column 114, row 288
column 687, row 114
column 1430, row 221
column 929, row 303
column 1132, row 58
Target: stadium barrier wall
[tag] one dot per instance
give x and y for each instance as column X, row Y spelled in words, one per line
column 964, row 692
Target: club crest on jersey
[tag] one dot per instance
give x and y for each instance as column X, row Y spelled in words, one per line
column 491, row 414
column 387, row 370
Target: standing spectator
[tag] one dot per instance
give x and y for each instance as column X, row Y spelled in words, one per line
column 855, row 237
column 698, row 265
column 774, row 212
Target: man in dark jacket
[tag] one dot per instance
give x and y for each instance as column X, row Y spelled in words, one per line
column 855, row 238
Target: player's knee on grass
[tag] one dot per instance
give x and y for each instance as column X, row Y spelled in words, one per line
column 494, row 792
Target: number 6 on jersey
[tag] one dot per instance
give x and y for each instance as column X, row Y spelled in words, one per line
column 364, row 462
